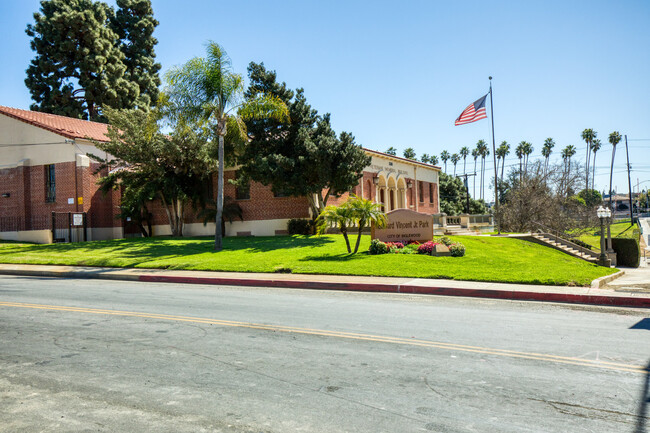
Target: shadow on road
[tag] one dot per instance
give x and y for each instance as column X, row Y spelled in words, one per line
column 645, row 401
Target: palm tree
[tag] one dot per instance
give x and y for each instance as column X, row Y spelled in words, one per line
column 365, row 213
column 475, row 155
column 519, row 151
column 464, row 151
column 409, row 153
column 528, row 149
column 341, row 216
column 549, row 144
column 444, row 156
column 614, row 139
column 454, row 159
column 391, row 151
column 483, row 151
column 595, row 147
column 425, row 158
column 567, row 154
column 588, row 135
column 433, row 160
column 207, row 89
column 502, row 152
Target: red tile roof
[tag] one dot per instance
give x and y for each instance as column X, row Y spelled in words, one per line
column 65, row 126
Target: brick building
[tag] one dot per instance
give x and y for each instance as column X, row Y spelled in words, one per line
column 45, row 168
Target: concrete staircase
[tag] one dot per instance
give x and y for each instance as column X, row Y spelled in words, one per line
column 565, row 246
column 457, row 230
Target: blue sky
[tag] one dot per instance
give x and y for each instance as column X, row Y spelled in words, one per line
column 399, row 73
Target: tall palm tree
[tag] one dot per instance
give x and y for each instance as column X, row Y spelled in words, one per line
column 588, row 135
column 567, row 154
column 528, row 149
column 444, row 156
column 365, row 213
column 425, row 158
column 502, row 152
column 595, row 147
column 208, row 90
column 454, row 159
column 483, row 152
column 614, row 139
column 549, row 144
column 519, row 151
column 464, row 151
column 433, row 160
column 475, row 155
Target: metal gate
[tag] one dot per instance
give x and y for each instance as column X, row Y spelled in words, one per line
column 69, row 227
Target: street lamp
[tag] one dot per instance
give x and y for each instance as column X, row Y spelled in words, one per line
column 603, row 213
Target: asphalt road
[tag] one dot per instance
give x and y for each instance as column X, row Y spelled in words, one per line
column 87, row 356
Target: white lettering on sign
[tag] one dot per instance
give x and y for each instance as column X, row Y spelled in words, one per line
column 77, row 219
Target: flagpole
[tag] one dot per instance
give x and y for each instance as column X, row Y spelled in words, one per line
column 494, row 156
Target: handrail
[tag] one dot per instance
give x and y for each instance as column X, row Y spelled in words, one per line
column 558, row 235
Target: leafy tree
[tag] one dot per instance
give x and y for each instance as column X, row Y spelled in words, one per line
column 444, row 156
column 341, row 216
column 591, row 197
column 588, row 135
column 301, row 156
column 391, row 151
column 134, row 25
column 453, row 197
column 409, row 153
column 614, row 139
column 78, row 68
column 364, row 214
column 207, row 90
column 149, row 164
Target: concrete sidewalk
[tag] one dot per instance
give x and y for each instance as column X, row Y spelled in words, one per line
column 594, row 295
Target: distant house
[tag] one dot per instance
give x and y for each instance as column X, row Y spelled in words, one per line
column 621, row 202
column 45, row 169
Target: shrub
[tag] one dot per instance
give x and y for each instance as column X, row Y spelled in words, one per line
column 581, row 243
column 298, row 226
column 443, row 240
column 394, row 246
column 628, row 252
column 377, row 247
column 457, row 249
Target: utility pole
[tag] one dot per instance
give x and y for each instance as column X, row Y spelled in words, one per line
column 466, row 190
column 629, row 181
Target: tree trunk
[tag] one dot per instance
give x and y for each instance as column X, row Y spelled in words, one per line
column 344, row 232
column 474, row 182
column 587, row 167
column 356, row 247
column 218, row 233
column 170, row 214
column 611, row 172
column 593, row 177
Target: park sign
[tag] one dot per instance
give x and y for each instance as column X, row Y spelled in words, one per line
column 405, row 225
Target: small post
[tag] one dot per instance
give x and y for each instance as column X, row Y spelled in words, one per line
column 85, row 216
column 53, row 227
column 70, row 227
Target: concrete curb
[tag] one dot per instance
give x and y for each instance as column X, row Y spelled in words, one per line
column 600, row 282
column 515, row 295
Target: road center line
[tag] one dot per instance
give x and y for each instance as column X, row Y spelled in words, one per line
column 347, row 335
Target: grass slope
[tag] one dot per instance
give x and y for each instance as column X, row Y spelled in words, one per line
column 620, row 229
column 487, row 258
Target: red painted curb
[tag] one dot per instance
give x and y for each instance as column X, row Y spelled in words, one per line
column 617, row 301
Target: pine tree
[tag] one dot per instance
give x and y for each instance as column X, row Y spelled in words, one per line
column 78, row 67
column 134, row 25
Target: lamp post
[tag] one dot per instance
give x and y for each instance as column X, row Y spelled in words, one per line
column 603, row 260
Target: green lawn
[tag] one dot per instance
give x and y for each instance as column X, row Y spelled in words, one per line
column 619, row 229
column 487, row 258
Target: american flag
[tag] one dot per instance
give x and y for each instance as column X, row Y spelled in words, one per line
column 474, row 111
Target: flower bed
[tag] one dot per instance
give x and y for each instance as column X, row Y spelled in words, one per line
column 456, row 249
